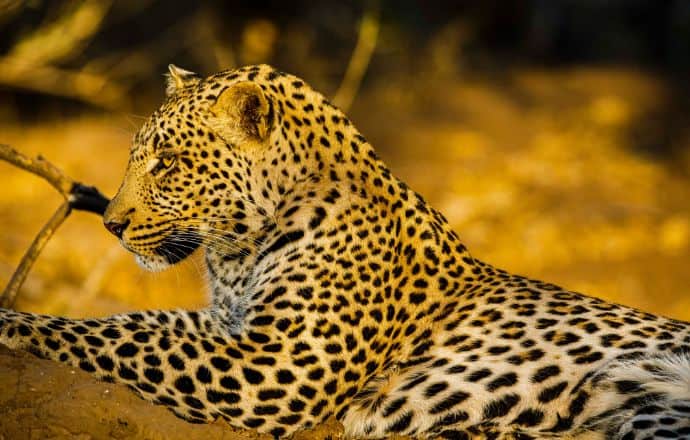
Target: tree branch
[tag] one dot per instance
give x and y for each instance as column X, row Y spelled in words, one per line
column 366, row 43
column 19, row 275
column 38, row 166
column 77, row 196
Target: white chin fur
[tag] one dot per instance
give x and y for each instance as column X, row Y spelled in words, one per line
column 152, row 264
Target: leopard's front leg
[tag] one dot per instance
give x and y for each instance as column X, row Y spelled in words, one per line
column 182, row 360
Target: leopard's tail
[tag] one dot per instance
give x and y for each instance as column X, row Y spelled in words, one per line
column 646, row 397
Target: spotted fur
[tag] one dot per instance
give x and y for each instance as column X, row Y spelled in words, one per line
column 337, row 290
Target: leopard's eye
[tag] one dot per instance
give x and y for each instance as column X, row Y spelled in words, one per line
column 163, row 164
column 167, row 161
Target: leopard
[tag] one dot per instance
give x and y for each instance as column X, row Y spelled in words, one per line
column 337, row 291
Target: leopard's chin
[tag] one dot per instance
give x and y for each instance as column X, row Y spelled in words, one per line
column 152, row 264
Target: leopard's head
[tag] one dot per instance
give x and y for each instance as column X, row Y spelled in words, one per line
column 191, row 176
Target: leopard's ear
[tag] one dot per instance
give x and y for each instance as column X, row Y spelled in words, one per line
column 178, row 79
column 242, row 112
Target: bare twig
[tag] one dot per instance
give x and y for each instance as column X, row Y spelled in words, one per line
column 366, row 43
column 40, row 167
column 10, row 293
column 77, row 196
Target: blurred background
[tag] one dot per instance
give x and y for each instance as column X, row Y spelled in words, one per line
column 553, row 134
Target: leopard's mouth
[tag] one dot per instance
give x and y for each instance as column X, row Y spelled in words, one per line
column 157, row 252
column 178, row 245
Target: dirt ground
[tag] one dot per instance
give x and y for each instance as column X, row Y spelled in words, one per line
column 44, row 400
column 41, row 399
column 547, row 174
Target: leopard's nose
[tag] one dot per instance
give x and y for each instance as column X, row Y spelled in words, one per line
column 116, row 228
